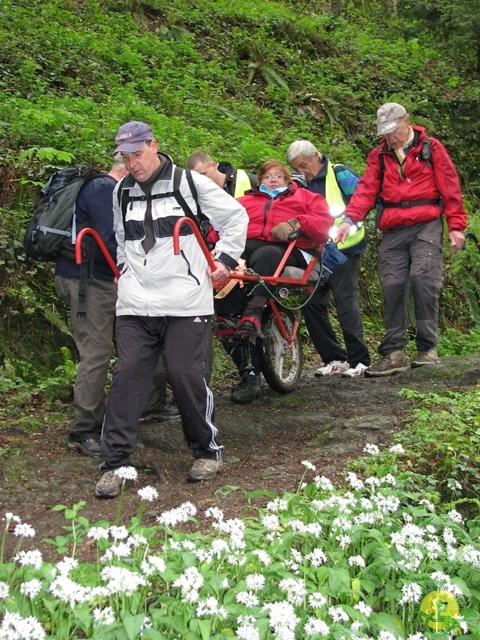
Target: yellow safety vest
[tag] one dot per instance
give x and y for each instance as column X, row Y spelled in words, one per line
column 333, row 196
column 242, row 183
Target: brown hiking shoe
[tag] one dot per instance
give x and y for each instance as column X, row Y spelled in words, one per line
column 394, row 362
column 109, row 485
column 204, row 469
column 426, row 357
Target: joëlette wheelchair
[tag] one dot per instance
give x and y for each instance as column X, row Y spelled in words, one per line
column 279, row 348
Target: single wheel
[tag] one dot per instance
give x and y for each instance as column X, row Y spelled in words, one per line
column 281, row 362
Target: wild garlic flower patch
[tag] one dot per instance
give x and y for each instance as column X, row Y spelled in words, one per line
column 352, row 562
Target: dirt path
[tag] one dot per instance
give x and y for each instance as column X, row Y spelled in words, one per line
column 326, row 421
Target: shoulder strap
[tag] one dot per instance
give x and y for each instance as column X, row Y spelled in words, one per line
column 179, row 197
column 124, row 198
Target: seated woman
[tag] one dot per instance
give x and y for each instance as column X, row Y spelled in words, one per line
column 275, row 208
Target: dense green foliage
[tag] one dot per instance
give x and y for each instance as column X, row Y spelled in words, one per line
column 241, row 80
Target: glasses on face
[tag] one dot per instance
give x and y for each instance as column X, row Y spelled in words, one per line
column 273, row 176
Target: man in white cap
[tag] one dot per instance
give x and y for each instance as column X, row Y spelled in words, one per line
column 411, row 181
column 164, row 301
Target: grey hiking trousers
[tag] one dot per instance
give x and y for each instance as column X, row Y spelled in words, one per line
column 93, row 335
column 411, row 259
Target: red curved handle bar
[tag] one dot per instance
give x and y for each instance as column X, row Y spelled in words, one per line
column 101, row 245
column 196, row 232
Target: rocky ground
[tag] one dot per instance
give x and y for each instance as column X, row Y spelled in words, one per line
column 326, row 421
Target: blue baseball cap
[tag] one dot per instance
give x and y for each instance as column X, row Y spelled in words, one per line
column 132, row 136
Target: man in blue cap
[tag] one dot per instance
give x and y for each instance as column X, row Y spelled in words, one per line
column 165, row 301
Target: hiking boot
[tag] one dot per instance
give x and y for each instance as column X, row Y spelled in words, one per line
column 332, row 368
column 204, row 469
column 394, row 362
column 426, row 357
column 251, row 323
column 161, row 413
column 355, row 372
column 247, row 389
column 225, row 327
column 88, row 446
column 109, row 485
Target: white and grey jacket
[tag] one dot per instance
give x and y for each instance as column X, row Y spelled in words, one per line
column 160, row 283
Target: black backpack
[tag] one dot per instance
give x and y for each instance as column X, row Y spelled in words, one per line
column 52, row 230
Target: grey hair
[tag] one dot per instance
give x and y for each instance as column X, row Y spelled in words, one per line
column 300, row 148
column 118, row 161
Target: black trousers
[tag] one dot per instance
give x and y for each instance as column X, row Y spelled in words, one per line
column 343, row 286
column 186, row 346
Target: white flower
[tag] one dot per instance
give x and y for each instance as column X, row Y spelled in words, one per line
column 356, row 560
column 69, row 591
column 309, row 465
column 315, row 627
column 122, row 580
column 126, row 473
column 118, row 533
column 247, row 598
column 210, row 607
column 177, row 516
column 354, row 481
column 24, row 530
column 121, row 550
column 317, row 557
column 372, row 482
column 271, row 522
column 277, row 505
column 104, row 616
column 9, row 517
column 363, row 608
column 397, row 448
column 255, row 581
column 317, row 600
column 448, row 536
column 262, row 556
column 389, row 479
column 149, row 494
column 295, row 590
column 471, row 555
column 31, row 588
column 417, row 636
column 342, row 523
column 14, row 627
column 282, row 619
column 429, row 506
column 32, row 558
column 338, row 614
column 156, row 564
column 412, row 592
column 215, row 513
column 4, row 590
column 371, row 449
column 98, row 533
column 323, row 483
column 386, row 635
column 190, row 582
column 66, row 565
column 455, row 516
column 344, row 541
column 246, row 629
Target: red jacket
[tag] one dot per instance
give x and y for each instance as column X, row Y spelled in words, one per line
column 310, row 209
column 421, row 181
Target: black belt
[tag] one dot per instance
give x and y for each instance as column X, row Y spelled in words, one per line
column 406, row 204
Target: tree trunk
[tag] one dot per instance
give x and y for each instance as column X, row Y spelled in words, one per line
column 391, row 8
column 337, row 7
